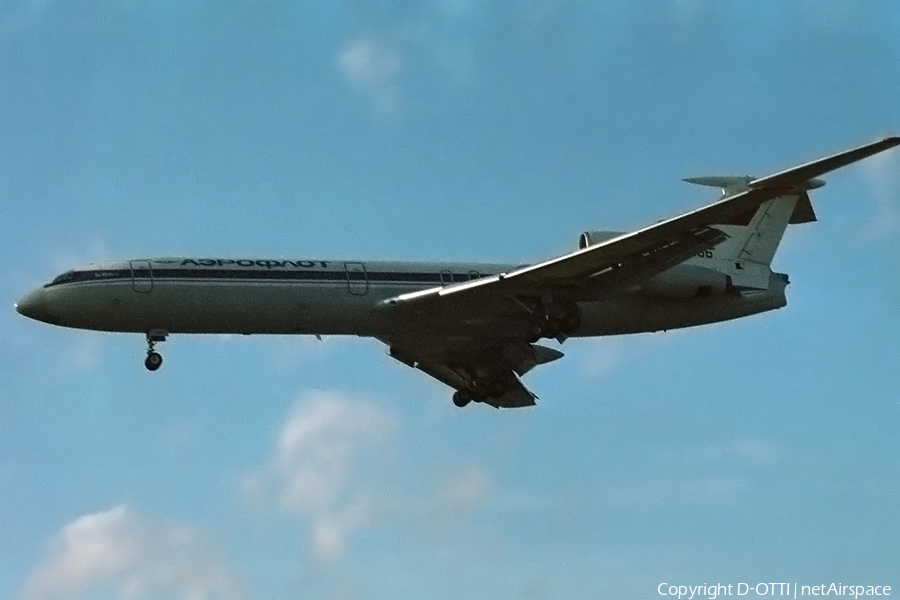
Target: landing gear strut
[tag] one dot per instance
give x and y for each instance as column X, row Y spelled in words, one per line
column 551, row 319
column 154, row 359
column 549, row 327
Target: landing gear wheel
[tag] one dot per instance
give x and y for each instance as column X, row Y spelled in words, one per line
column 153, row 361
column 461, row 398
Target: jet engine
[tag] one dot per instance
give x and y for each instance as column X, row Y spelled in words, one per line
column 591, row 238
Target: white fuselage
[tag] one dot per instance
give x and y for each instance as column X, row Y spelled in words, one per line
column 325, row 297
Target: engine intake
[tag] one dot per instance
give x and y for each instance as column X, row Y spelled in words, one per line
column 592, row 238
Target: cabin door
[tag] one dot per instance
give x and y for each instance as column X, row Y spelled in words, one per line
column 141, row 276
column 357, row 280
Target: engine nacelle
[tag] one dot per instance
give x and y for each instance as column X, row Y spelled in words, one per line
column 687, row 281
column 590, row 238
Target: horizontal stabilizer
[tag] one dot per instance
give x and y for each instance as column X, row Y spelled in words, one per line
column 733, row 184
column 728, row 184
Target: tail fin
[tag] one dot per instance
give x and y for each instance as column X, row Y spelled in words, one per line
column 754, row 236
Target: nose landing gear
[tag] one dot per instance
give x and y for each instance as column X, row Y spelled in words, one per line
column 154, row 359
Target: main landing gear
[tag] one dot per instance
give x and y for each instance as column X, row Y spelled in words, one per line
column 478, row 393
column 554, row 326
column 154, row 359
column 462, row 398
column 550, row 318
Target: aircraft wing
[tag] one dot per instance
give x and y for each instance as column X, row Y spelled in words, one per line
column 638, row 255
column 464, row 361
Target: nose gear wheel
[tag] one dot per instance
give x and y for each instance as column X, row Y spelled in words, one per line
column 154, row 359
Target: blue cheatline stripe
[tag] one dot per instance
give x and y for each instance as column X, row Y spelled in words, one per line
column 263, row 274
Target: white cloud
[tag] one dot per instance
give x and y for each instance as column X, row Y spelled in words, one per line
column 462, row 490
column 118, row 553
column 602, row 360
column 448, row 510
column 330, row 469
column 292, row 351
column 668, row 491
column 608, row 355
column 373, row 66
column 699, row 474
column 738, row 453
column 433, row 42
column 368, row 63
column 323, row 467
column 330, row 531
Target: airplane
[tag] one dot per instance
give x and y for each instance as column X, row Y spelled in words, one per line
column 472, row 326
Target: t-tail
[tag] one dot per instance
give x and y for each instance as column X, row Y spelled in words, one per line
column 753, row 237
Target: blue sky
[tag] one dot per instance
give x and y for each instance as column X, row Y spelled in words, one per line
column 269, row 467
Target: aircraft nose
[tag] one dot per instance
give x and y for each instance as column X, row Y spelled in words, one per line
column 34, row 306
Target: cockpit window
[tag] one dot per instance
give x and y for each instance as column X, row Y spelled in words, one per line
column 64, row 278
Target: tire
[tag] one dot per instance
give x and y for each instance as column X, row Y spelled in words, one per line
column 153, row 361
column 461, row 399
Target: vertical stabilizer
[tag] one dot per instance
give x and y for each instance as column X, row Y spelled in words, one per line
column 766, row 229
column 755, row 235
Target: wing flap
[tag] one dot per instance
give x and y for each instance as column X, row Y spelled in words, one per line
column 516, row 395
column 489, row 370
